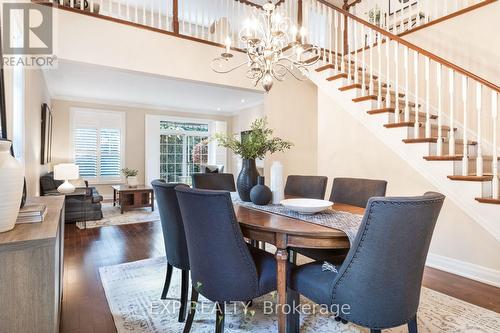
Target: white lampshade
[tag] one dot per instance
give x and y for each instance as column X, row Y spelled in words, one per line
column 66, row 171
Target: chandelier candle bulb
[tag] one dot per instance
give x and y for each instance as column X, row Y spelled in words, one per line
column 228, row 44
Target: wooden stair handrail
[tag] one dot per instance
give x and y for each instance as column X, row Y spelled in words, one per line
column 414, row 47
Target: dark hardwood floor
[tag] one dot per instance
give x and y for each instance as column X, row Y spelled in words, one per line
column 85, row 309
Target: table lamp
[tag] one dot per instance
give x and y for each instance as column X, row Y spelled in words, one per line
column 66, row 171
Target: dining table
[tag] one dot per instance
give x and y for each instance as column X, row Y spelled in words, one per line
column 284, row 232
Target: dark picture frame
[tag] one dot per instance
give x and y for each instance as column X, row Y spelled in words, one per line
column 46, row 135
column 406, row 4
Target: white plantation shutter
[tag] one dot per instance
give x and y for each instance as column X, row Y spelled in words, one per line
column 110, row 153
column 86, row 151
column 98, row 144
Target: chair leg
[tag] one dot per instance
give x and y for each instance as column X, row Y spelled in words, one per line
column 170, row 268
column 412, row 325
column 192, row 311
column 184, row 295
column 293, row 317
column 219, row 319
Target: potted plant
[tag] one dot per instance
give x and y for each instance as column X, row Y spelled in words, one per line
column 254, row 144
column 131, row 176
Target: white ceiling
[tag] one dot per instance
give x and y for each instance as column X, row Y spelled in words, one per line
column 83, row 82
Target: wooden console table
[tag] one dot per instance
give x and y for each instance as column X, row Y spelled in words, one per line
column 133, row 197
column 31, row 272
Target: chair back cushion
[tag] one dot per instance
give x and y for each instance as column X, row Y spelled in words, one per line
column 214, row 181
column 222, row 268
column 311, row 187
column 356, row 191
column 382, row 274
column 171, row 224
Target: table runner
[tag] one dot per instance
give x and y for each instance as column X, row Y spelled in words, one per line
column 347, row 222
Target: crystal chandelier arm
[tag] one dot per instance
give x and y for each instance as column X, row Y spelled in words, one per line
column 217, row 61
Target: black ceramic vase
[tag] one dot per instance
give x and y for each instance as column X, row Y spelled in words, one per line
column 247, row 179
column 261, row 194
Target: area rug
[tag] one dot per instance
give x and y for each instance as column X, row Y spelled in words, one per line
column 113, row 216
column 133, row 292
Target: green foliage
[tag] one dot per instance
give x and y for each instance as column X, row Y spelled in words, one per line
column 130, row 172
column 256, row 143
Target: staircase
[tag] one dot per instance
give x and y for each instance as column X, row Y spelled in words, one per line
column 437, row 116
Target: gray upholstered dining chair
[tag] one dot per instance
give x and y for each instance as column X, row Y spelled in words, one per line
column 381, row 278
column 350, row 191
column 223, row 267
column 214, row 181
column 174, row 239
column 311, row 187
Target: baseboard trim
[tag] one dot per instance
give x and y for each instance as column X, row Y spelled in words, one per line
column 464, row 269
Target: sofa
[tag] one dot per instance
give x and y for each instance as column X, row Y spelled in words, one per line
column 77, row 208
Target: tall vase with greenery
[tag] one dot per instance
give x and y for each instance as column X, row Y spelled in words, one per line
column 254, row 144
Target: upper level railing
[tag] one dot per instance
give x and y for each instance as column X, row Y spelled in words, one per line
column 403, row 16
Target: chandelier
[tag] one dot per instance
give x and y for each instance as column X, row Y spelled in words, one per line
column 274, row 48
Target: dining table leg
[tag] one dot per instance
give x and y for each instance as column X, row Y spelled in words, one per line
column 282, row 262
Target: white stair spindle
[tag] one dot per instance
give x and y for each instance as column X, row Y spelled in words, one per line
column 349, row 37
column 336, row 32
column 465, row 158
column 388, row 77
column 144, row 14
column 396, row 84
column 379, row 51
column 407, row 86
column 363, row 64
column 451, row 84
column 330, row 35
column 152, row 9
column 417, row 83
column 356, row 65
column 440, row 111
column 427, row 98
column 159, row 15
column 479, row 160
column 342, row 44
column 494, row 115
column 372, row 49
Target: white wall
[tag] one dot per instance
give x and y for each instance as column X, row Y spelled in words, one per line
column 347, row 148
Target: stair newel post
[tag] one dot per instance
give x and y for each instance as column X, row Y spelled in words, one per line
column 465, row 158
column 372, row 45
column 175, row 18
column 417, row 107
column 427, row 98
column 440, row 110
column 451, row 85
column 336, row 33
column 494, row 114
column 396, row 83
column 356, row 63
column 363, row 63
column 379, row 54
column 407, row 86
column 388, row 72
column 479, row 160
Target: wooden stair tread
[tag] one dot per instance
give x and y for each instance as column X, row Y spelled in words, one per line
column 393, row 110
column 364, row 98
column 434, row 140
column 412, row 124
column 350, row 86
column 489, row 200
column 337, row 76
column 325, row 67
column 472, row 178
column 455, row 158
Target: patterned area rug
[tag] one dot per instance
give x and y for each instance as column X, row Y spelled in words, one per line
column 112, row 216
column 133, row 293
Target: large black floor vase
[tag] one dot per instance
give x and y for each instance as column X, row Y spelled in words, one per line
column 247, row 179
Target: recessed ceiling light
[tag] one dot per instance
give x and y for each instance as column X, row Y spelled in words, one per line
column 242, row 101
column 218, row 109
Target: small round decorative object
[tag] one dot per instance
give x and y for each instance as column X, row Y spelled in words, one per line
column 261, row 194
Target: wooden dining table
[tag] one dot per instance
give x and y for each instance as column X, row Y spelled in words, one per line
column 284, row 232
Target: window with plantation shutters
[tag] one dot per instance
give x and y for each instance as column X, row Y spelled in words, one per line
column 98, row 144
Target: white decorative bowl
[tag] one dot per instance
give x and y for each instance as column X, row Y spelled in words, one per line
column 306, row 206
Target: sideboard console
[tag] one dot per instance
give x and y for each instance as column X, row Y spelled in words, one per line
column 31, row 272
